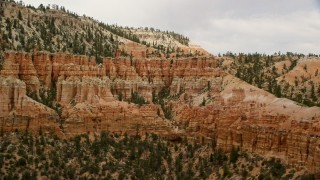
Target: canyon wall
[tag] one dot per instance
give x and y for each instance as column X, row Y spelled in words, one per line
column 208, row 104
column 257, row 122
column 18, row 111
column 88, row 93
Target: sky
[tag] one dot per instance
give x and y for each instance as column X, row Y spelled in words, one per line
column 247, row 26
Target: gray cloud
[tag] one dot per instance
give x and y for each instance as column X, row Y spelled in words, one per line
column 265, row 26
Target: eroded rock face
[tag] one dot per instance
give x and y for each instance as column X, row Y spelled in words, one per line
column 207, row 103
column 19, row 112
column 20, row 65
column 86, row 89
column 256, row 122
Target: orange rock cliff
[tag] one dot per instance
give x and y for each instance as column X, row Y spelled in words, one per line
column 208, row 104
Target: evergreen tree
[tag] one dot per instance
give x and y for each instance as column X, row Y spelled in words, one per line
column 20, row 16
column 234, row 155
column 313, row 95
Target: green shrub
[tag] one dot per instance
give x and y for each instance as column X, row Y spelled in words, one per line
column 137, row 99
column 277, row 169
column 234, row 155
column 21, row 162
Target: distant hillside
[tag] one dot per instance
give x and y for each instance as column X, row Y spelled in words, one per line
column 293, row 76
column 55, row 29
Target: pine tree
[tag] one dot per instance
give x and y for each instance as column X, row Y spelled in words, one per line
column 203, row 103
column 20, row 16
column 120, row 96
column 313, row 96
column 234, row 155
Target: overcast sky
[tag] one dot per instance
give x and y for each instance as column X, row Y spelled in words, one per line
column 264, row 26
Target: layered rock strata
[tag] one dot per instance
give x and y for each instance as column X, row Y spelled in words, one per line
column 207, row 103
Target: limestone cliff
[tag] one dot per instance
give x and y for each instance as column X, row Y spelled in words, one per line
column 207, row 103
column 19, row 112
column 258, row 122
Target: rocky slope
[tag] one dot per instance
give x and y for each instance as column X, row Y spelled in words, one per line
column 55, row 29
column 110, row 156
column 206, row 103
column 292, row 76
column 168, row 42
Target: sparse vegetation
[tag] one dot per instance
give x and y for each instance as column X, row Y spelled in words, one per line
column 137, row 99
column 48, row 98
column 72, row 35
column 272, row 168
column 263, row 70
column 162, row 99
column 111, row 156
